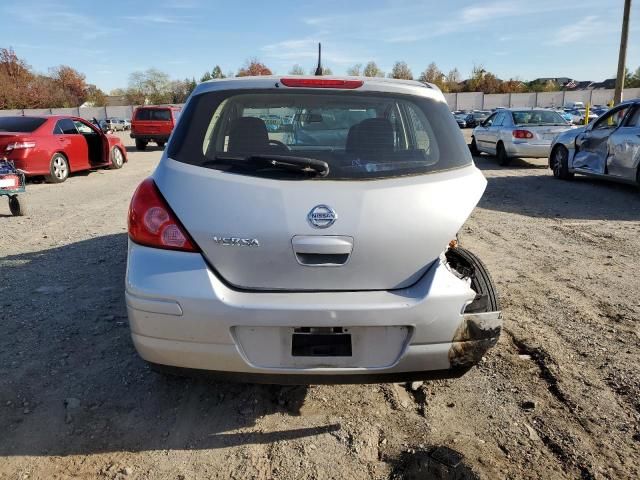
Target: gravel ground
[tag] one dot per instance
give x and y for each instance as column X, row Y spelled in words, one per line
column 559, row 397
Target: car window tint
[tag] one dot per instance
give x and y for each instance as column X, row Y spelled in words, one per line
column 20, row 124
column 612, row 119
column 489, row 121
column 161, row 115
column 497, row 122
column 143, row 114
column 360, row 135
column 67, row 127
column 83, row 128
column 634, row 120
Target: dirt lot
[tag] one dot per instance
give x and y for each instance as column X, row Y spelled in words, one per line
column 559, row 397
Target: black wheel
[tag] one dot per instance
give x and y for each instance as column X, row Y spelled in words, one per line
column 117, row 158
column 469, row 265
column 161, row 144
column 17, row 206
column 559, row 163
column 58, row 169
column 501, row 155
column 473, row 147
column 141, row 145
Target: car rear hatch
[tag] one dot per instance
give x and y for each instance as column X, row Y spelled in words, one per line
column 365, row 226
column 153, row 121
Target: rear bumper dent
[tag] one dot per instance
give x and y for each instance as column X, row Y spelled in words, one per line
column 182, row 315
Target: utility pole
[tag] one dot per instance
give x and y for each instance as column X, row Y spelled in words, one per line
column 622, row 57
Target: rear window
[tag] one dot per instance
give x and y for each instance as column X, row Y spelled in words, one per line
column 20, row 124
column 151, row 114
column 537, row 117
column 359, row 135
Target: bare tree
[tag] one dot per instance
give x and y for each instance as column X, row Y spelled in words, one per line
column 296, row 70
column 355, row 70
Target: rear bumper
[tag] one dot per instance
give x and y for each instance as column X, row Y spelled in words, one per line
column 159, row 137
column 182, row 315
column 525, row 149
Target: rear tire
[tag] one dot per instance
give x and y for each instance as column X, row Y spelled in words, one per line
column 559, row 163
column 58, row 169
column 468, row 264
column 473, row 147
column 501, row 155
column 17, row 207
column 141, row 145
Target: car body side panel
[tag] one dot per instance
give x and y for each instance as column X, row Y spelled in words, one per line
column 592, row 150
column 624, row 148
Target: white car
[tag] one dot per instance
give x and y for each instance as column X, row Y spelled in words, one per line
column 323, row 252
column 518, row 132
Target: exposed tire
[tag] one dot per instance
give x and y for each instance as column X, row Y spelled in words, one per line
column 117, row 158
column 141, row 145
column 501, row 155
column 469, row 265
column 58, row 169
column 473, row 147
column 559, row 163
column 17, row 206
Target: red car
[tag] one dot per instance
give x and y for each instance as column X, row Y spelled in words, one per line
column 153, row 124
column 57, row 145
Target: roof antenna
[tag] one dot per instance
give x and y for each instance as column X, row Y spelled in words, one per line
column 319, row 67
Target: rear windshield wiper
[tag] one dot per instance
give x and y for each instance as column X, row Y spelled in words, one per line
column 284, row 162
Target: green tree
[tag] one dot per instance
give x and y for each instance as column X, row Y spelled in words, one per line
column 206, row 77
column 95, row 96
column 217, row 72
column 372, row 70
column 296, row 70
column 401, row 70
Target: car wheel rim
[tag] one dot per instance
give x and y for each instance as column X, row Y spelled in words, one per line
column 558, row 162
column 117, row 157
column 59, row 168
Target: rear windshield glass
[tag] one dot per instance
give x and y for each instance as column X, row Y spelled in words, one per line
column 20, row 124
column 163, row 115
column 359, row 135
column 537, row 117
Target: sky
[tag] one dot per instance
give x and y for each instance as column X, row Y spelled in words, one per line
column 522, row 39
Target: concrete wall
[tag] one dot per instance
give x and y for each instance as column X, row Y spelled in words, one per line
column 480, row 101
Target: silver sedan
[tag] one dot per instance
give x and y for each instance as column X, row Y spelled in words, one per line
column 608, row 147
column 510, row 133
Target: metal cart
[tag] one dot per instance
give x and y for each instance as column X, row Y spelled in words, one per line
column 12, row 184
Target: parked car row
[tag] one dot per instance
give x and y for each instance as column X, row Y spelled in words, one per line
column 608, row 147
column 470, row 119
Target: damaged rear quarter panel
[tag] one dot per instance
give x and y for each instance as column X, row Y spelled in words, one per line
column 476, row 334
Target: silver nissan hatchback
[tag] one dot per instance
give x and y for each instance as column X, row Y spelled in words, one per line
column 303, row 230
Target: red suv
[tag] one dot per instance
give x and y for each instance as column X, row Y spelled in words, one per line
column 153, row 124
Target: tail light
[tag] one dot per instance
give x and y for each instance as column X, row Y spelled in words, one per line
column 153, row 223
column 19, row 145
column 321, row 83
column 522, row 134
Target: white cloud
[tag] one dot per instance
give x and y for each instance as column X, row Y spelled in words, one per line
column 585, row 28
column 163, row 19
column 54, row 17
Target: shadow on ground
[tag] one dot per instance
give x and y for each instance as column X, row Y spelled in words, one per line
column 72, row 383
column 539, row 194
